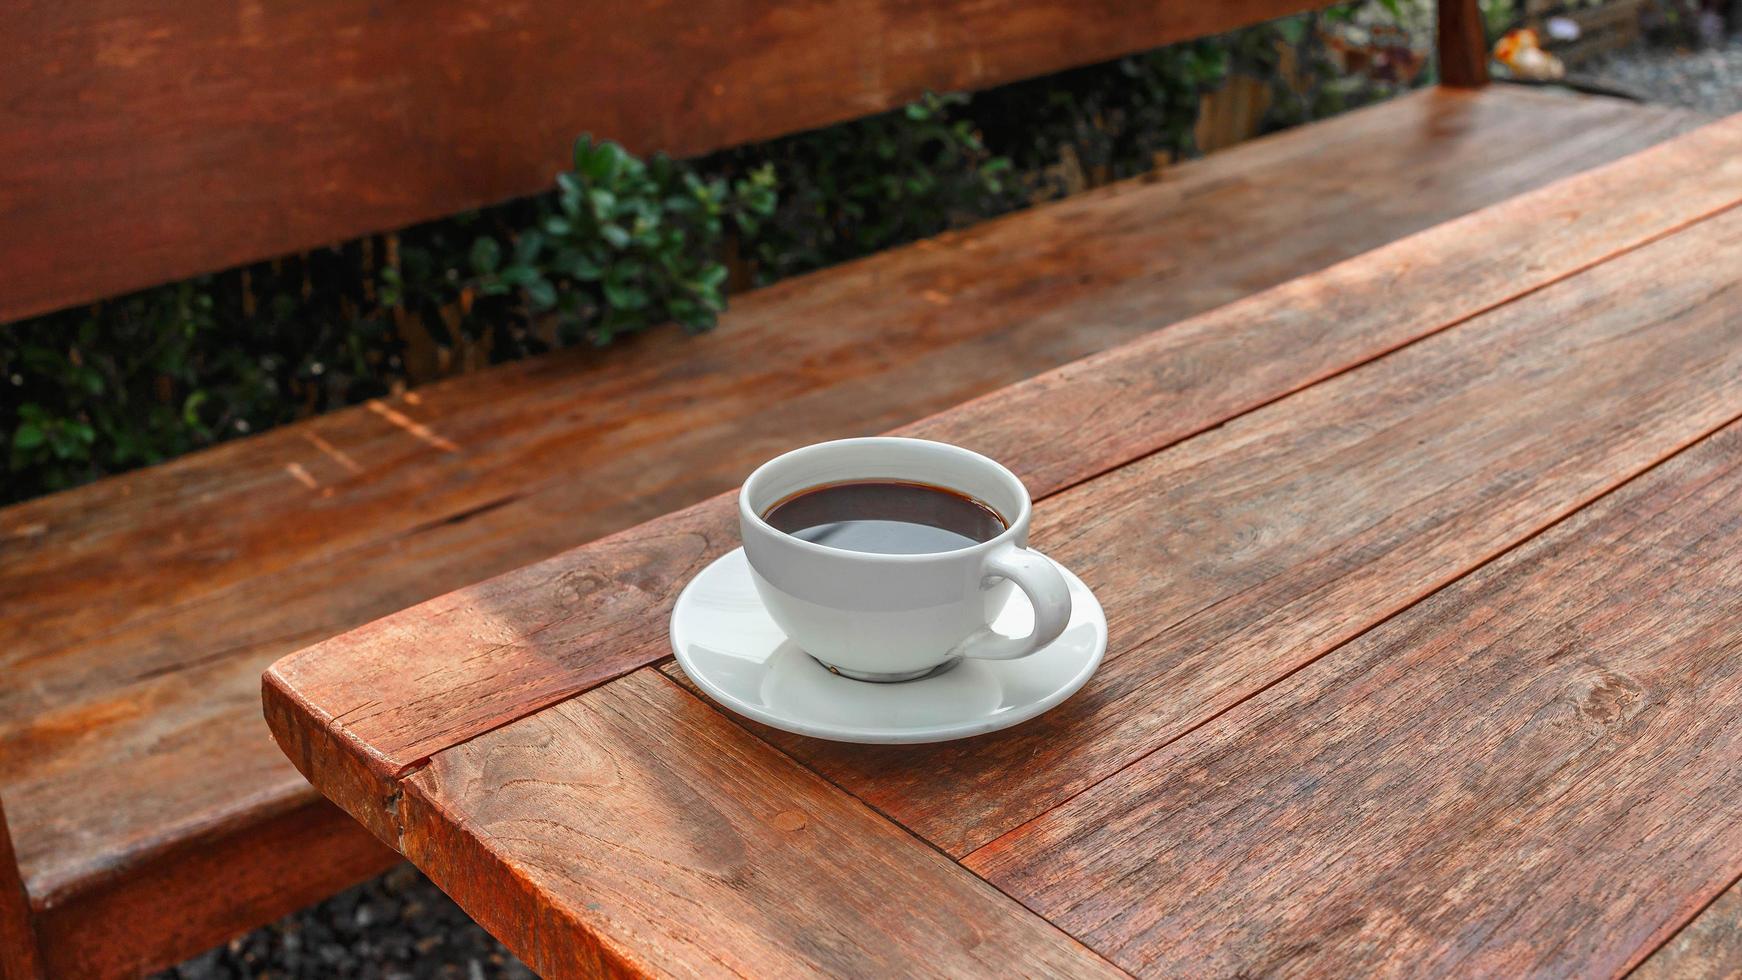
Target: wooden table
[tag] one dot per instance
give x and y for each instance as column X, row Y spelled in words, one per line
column 1424, row 580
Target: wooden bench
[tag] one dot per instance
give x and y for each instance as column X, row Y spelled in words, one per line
column 150, row 812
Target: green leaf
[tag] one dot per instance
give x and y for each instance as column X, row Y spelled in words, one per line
column 618, row 237
column 486, row 255
column 582, row 268
column 625, row 297
column 599, row 164
column 519, row 275
column 541, row 294
column 26, row 437
column 190, row 407
column 712, row 276
column 528, row 245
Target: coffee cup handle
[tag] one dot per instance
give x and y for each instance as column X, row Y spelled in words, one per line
column 1039, row 579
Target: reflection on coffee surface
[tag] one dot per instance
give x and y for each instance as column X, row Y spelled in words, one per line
column 887, row 517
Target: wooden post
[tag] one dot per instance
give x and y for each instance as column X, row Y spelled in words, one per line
column 1463, row 45
column 18, row 955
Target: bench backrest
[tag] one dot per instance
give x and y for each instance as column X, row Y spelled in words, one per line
column 143, row 141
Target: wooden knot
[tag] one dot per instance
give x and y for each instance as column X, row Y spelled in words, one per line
column 1611, row 699
column 788, row 820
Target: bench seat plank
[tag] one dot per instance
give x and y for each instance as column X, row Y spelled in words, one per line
column 141, row 609
column 1533, row 772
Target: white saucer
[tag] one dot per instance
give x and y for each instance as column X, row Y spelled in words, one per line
column 731, row 649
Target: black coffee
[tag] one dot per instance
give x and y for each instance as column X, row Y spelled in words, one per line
column 887, row 517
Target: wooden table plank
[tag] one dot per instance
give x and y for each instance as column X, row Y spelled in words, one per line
column 390, row 694
column 1709, row 946
column 1532, row 772
column 1232, row 559
column 634, row 830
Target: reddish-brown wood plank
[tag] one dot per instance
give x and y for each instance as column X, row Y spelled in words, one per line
column 1533, row 772
column 18, row 955
column 633, row 830
column 142, row 142
column 205, row 889
column 1230, row 560
column 403, row 688
column 1708, row 947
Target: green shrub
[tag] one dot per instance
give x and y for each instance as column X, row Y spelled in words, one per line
column 865, row 186
column 621, row 245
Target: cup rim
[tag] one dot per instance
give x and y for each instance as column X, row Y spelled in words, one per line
column 1019, row 520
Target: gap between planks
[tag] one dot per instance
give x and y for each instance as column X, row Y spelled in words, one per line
column 665, row 667
column 1475, row 567
column 1538, row 287
column 1646, row 534
column 372, row 765
column 1578, row 506
column 662, row 663
column 1645, row 961
column 669, row 666
column 1513, row 297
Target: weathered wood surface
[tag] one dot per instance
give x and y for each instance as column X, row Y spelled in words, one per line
column 142, row 142
column 395, row 692
column 144, row 607
column 1530, row 773
column 1230, row 560
column 18, row 954
column 1708, row 948
column 196, row 892
column 634, row 830
column 1462, row 44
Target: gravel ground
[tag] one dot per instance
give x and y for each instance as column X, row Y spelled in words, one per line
column 1708, row 81
column 401, row 926
column 396, row 927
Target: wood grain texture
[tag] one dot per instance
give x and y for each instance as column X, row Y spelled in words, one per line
column 144, row 142
column 399, row 690
column 634, row 831
column 1708, row 948
column 143, row 608
column 1463, row 44
column 193, row 576
column 204, row 890
column 18, row 954
column 1234, row 558
column 1533, row 772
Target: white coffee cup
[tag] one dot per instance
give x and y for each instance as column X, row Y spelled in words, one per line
column 888, row 617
